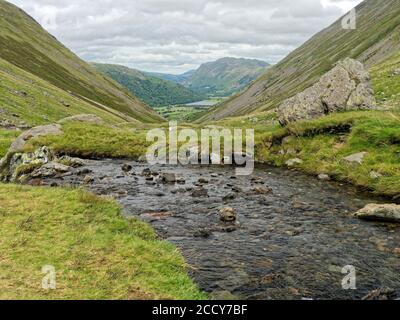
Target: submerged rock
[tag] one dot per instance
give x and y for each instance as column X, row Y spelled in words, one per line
column 380, row 212
column 158, row 215
column 199, row 192
column 168, row 177
column 126, row 167
column 229, row 196
column 346, row 87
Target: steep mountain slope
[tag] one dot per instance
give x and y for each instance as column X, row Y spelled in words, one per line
column 25, row 44
column 376, row 38
column 27, row 100
column 220, row 78
column 152, row 90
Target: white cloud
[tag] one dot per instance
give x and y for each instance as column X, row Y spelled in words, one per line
column 177, row 35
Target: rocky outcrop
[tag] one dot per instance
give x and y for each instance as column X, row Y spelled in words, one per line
column 380, row 212
column 346, row 87
column 42, row 163
column 91, row 118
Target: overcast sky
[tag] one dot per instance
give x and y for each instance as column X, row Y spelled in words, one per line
column 178, row 35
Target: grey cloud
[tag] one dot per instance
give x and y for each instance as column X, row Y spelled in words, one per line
column 176, row 35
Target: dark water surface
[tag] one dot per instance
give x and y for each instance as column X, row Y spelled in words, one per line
column 290, row 244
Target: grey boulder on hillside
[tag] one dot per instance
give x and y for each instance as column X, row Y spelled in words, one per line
column 346, row 87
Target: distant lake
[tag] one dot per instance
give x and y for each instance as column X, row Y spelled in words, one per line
column 204, row 103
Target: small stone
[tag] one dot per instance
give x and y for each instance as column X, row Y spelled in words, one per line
column 396, row 72
column 263, row 190
column 227, row 214
column 294, row 162
column 324, row 177
column 203, row 181
column 88, row 180
column 356, row 158
column 375, row 175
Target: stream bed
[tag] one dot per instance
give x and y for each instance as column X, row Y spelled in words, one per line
column 289, row 244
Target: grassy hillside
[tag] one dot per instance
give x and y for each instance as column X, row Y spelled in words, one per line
column 386, row 81
column 96, row 253
column 26, row 99
column 376, row 38
column 152, row 90
column 25, row 44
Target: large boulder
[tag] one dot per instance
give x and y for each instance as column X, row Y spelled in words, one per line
column 346, row 87
column 50, row 129
column 380, row 212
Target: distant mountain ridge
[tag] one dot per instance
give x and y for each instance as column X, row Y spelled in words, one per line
column 152, row 90
column 375, row 39
column 29, row 50
column 223, row 77
column 180, row 78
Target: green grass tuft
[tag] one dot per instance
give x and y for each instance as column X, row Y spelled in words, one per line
column 96, row 252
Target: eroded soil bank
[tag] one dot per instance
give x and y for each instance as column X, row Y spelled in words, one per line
column 291, row 243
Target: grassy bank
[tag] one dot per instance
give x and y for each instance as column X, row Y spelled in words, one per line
column 91, row 140
column 322, row 145
column 96, row 252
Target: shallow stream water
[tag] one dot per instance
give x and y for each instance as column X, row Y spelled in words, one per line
column 290, row 244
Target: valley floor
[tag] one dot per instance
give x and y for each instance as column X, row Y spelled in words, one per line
column 91, row 244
